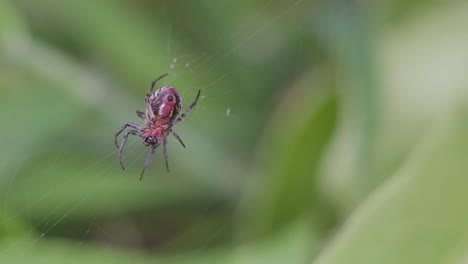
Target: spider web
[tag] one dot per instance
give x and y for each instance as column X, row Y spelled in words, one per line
column 180, row 66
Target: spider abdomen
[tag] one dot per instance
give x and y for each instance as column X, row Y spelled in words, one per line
column 165, row 104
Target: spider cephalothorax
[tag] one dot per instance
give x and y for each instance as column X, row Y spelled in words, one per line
column 162, row 113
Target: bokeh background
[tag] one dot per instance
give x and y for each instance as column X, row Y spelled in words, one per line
column 328, row 132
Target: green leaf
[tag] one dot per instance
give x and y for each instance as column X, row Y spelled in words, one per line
column 11, row 227
column 63, row 251
column 290, row 155
column 292, row 244
column 419, row 215
column 58, row 186
column 419, row 65
column 30, row 118
column 10, row 20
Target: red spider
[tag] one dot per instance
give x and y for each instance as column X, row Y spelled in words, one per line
column 162, row 113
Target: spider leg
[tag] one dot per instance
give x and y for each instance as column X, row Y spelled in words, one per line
column 141, row 115
column 129, row 124
column 147, row 162
column 149, row 110
column 177, row 137
column 182, row 116
column 124, row 140
column 165, row 154
column 154, row 83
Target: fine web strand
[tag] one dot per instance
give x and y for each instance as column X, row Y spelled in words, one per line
column 190, row 65
column 234, row 35
column 194, row 66
column 114, row 166
column 64, row 184
column 216, row 58
column 228, row 51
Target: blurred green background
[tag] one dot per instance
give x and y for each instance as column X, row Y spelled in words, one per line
column 328, row 132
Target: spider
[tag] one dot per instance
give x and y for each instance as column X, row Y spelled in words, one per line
column 162, row 114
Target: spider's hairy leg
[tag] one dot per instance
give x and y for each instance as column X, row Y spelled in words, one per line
column 141, row 115
column 150, row 91
column 124, row 140
column 165, row 153
column 185, row 113
column 128, row 124
column 147, row 162
column 149, row 110
column 177, row 137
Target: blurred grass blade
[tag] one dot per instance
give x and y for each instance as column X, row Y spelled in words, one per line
column 290, row 154
column 345, row 26
column 290, row 245
column 62, row 251
column 419, row 215
column 10, row 20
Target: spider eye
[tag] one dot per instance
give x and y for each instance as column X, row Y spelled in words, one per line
column 170, row 98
